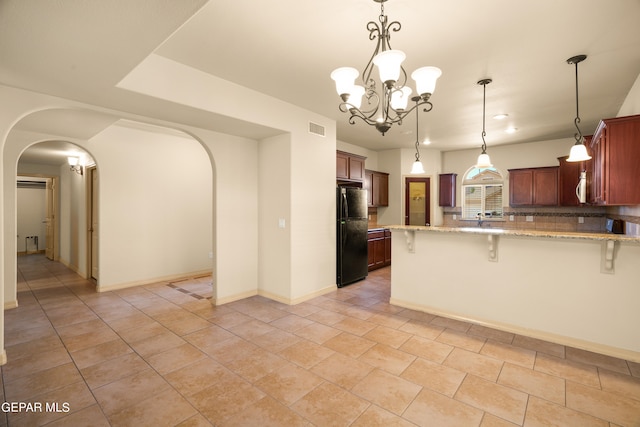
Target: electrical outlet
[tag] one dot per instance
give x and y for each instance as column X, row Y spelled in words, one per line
column 529, row 218
column 281, row 223
column 580, row 220
column 511, row 218
column 455, row 217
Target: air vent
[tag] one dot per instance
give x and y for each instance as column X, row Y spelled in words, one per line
column 316, row 129
column 32, row 184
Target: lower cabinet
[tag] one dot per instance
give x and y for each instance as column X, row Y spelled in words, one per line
column 379, row 246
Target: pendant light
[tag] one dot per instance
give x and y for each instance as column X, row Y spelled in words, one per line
column 578, row 152
column 417, row 167
column 483, row 159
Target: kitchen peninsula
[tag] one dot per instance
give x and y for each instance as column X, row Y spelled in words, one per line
column 576, row 289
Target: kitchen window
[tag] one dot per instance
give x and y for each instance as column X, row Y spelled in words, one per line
column 482, row 194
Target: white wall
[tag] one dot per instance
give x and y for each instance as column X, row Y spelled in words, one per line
column 155, row 209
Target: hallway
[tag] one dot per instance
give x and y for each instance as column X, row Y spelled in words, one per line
column 161, row 355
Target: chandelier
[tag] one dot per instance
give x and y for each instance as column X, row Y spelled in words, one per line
column 382, row 107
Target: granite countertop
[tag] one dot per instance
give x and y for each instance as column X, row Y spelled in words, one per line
column 520, row 233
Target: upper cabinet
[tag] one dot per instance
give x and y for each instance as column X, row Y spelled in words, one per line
column 349, row 167
column 377, row 185
column 447, row 190
column 533, row 186
column 615, row 148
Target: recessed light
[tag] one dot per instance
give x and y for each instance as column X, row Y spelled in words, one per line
column 426, row 141
column 511, row 130
column 500, row 116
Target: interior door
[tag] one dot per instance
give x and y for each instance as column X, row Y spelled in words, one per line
column 417, row 201
column 93, row 221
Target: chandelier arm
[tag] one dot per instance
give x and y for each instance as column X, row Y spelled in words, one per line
column 417, row 131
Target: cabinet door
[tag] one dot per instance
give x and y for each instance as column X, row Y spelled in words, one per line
column 356, row 168
column 368, row 185
column 371, row 253
column 342, row 166
column 447, row 190
column 521, row 187
column 387, row 247
column 597, row 183
column 568, row 177
column 383, row 190
column 545, row 187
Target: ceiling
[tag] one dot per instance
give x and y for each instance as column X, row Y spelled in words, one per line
column 80, row 50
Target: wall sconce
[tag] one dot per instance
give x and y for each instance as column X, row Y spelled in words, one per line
column 74, row 164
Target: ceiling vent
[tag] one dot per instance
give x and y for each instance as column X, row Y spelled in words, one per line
column 316, row 129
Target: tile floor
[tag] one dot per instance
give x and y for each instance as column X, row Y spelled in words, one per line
column 161, row 355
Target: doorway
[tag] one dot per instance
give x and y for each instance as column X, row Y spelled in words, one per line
column 417, row 201
column 92, row 220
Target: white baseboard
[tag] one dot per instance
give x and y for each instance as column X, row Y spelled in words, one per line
column 620, row 353
column 10, row 304
column 170, row 278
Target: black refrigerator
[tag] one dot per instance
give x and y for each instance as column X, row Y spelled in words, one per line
column 352, row 260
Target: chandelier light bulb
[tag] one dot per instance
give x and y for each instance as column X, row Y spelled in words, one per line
column 425, row 78
column 389, row 63
column 355, row 99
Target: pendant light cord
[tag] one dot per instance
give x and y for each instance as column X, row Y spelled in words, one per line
column 484, row 83
column 576, row 121
column 417, row 142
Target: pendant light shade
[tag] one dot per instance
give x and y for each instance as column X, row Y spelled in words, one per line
column 484, row 161
column 578, row 152
column 417, row 167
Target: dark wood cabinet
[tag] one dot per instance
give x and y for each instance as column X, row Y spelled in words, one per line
column 569, row 177
column 379, row 246
column 533, row 186
column 377, row 185
column 447, row 190
column 349, row 167
column 615, row 148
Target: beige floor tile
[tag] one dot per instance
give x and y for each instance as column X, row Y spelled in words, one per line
column 318, row 332
column 503, row 402
column 208, row 337
column 623, row 384
column 389, row 336
column 225, row 398
column 461, row 340
column 600, row 360
column 388, row 320
column 342, row 370
column 139, row 332
column 306, row 354
column 542, row 413
column 291, row 323
column 24, row 349
column 433, row 409
column 375, row 416
column 100, row 374
column 454, row 324
column 255, row 364
column 612, row 407
column 427, row 349
column 197, row 376
column 227, row 350
column 634, row 368
column 197, row 420
column 187, row 325
column 251, row 329
column 167, row 408
column 349, row 344
column 417, row 315
column 100, row 353
column 509, row 353
column 494, row 334
column 277, row 340
column 477, row 364
column 574, row 371
column 90, row 416
column 34, row 363
column 387, row 390
column 175, row 358
column 329, row 404
column 490, row 420
column 33, row 385
column 12, row 338
column 422, row 329
column 327, row 317
column 535, row 344
column 156, row 344
column 354, row 326
column 387, row 358
column 434, row 376
column 267, row 412
column 536, row 383
column 289, row 383
column 128, row 391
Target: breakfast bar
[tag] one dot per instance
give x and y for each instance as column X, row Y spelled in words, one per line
column 577, row 289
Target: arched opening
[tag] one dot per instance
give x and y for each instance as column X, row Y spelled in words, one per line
column 482, row 194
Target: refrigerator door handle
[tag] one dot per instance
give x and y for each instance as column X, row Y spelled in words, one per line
column 345, row 206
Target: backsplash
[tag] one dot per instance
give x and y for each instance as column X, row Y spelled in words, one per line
column 589, row 219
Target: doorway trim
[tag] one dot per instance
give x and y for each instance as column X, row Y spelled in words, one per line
column 55, row 207
column 91, row 209
column 427, row 199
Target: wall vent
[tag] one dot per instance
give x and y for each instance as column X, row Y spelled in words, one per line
column 316, row 129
